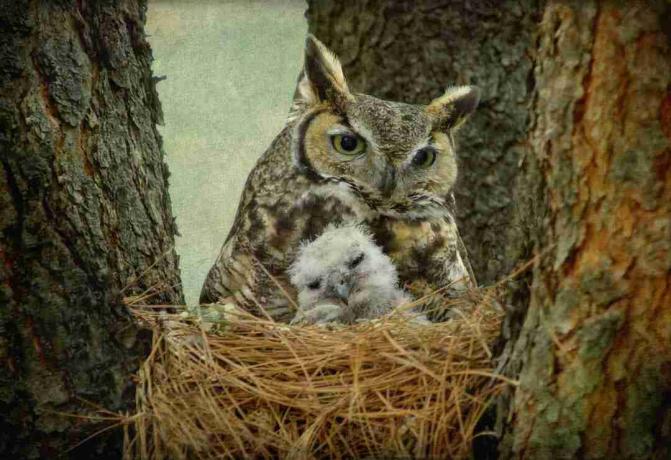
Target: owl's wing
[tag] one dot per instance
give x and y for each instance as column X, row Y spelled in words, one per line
column 237, row 274
column 463, row 252
column 451, row 203
column 214, row 290
column 215, row 286
column 241, row 278
column 456, row 275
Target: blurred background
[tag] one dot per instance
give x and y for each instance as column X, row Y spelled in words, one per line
column 231, row 69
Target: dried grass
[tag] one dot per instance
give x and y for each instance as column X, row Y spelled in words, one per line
column 259, row 389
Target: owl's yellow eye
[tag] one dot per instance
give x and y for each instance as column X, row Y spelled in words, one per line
column 348, row 144
column 424, row 157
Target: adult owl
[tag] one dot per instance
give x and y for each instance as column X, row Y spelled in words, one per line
column 344, row 276
column 347, row 157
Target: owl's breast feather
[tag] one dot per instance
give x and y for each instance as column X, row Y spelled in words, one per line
column 417, row 247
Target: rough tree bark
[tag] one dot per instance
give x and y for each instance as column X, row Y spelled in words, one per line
column 595, row 348
column 575, row 130
column 84, row 211
column 411, row 51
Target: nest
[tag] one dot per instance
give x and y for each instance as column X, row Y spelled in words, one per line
column 253, row 388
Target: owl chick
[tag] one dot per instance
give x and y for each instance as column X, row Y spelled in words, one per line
column 344, row 276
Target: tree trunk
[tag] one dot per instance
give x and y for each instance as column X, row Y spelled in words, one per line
column 585, row 181
column 411, row 51
column 84, row 212
column 595, row 349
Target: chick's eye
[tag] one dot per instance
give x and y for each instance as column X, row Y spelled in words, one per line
column 348, row 144
column 356, row 261
column 424, row 157
column 314, row 284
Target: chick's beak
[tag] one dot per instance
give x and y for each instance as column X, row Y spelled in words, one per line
column 343, row 290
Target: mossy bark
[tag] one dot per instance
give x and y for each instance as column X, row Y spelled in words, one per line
column 411, row 51
column 84, row 212
column 594, row 352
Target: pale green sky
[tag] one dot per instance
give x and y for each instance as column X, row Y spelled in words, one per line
column 231, row 68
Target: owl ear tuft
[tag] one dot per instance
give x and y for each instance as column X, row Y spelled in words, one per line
column 323, row 77
column 453, row 108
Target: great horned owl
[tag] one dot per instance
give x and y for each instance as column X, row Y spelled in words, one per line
column 344, row 276
column 347, row 157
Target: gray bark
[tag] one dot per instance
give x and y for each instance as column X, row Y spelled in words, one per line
column 411, row 51
column 84, row 211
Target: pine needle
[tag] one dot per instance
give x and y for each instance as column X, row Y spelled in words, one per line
column 253, row 388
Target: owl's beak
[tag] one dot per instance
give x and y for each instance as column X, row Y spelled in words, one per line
column 388, row 181
column 343, row 290
column 339, row 288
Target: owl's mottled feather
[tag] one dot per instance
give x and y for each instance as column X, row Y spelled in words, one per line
column 347, row 158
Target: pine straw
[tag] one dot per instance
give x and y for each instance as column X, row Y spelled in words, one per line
column 259, row 389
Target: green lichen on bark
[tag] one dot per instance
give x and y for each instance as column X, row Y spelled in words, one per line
column 593, row 355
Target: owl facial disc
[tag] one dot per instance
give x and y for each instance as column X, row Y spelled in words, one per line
column 398, row 158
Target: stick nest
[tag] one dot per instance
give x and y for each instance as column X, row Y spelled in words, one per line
column 253, row 388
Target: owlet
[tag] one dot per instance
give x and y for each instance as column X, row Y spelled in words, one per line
column 347, row 157
column 344, row 276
